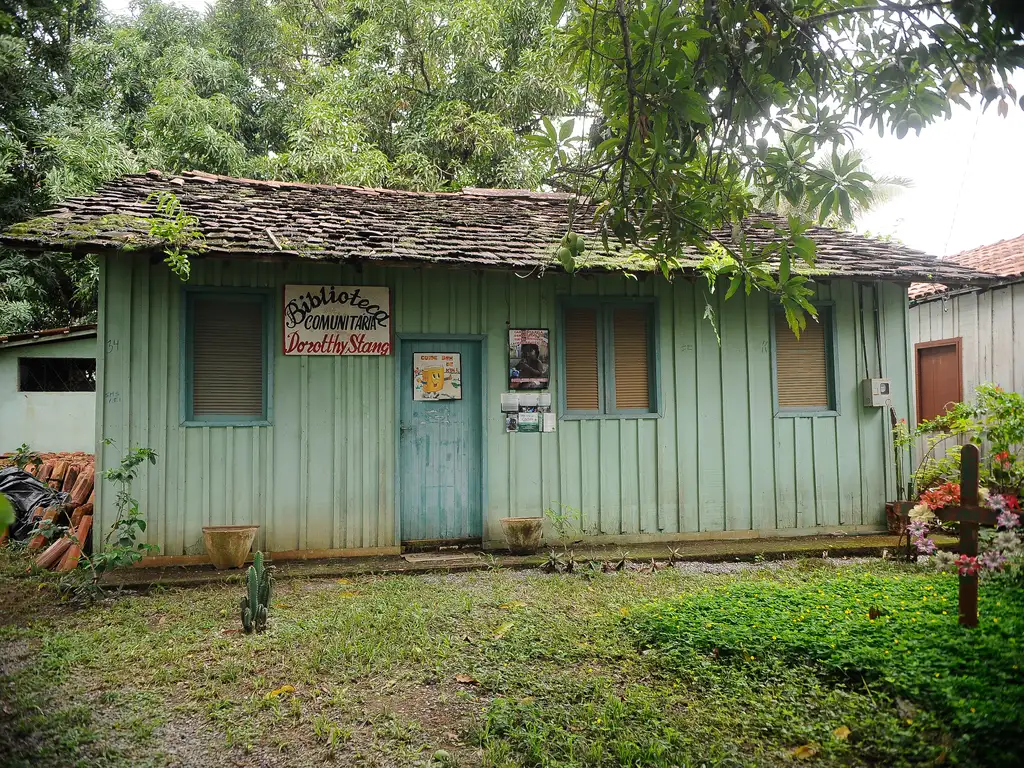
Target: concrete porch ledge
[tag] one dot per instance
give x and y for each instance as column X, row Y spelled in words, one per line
column 869, row 545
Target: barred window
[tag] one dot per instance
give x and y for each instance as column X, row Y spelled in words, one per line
column 57, row 374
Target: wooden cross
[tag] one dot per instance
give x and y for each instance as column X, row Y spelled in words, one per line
column 970, row 514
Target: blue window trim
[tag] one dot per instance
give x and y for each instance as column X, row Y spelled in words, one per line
column 266, row 299
column 605, row 306
column 827, row 314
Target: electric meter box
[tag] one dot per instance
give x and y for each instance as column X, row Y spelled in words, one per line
column 877, row 392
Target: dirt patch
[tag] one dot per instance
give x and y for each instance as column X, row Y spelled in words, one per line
column 446, row 715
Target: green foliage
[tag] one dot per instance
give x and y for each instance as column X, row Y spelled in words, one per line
column 179, row 231
column 22, row 456
column 6, row 513
column 256, row 603
column 121, row 547
column 408, row 94
column 706, row 110
column 566, row 521
column 897, row 633
column 49, row 290
column 994, row 418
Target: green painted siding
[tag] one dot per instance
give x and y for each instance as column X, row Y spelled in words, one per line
column 322, row 475
column 47, row 421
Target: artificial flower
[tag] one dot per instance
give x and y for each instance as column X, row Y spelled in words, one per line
column 943, row 561
column 925, row 546
column 993, row 560
column 942, row 496
column 967, row 565
column 921, row 513
column 1007, row 520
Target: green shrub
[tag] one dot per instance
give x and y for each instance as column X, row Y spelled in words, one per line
column 897, row 632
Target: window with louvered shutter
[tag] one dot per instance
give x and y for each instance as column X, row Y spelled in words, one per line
column 803, row 367
column 607, row 348
column 228, row 358
column 581, row 360
column 631, row 346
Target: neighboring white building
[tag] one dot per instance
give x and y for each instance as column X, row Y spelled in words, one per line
column 963, row 338
column 48, row 390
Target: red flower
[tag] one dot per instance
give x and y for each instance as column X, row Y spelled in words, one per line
column 967, row 566
column 1003, row 457
column 945, row 495
column 1012, row 502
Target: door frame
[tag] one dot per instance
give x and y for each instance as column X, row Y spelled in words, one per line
column 957, row 342
column 400, row 339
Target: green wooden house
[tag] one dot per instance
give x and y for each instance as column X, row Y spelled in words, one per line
column 360, row 370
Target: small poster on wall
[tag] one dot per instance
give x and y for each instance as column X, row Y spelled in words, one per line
column 437, row 376
column 529, row 358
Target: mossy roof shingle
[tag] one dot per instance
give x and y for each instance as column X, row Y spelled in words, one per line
column 474, row 228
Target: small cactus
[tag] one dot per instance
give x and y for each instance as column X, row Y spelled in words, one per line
column 256, row 603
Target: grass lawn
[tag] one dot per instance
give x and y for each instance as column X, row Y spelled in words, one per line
column 493, row 668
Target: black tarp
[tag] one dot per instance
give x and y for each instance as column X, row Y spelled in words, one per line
column 26, row 493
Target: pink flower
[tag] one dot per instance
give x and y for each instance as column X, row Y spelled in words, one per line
column 1007, row 520
column 993, row 560
column 925, row 546
column 917, row 529
column 967, row 566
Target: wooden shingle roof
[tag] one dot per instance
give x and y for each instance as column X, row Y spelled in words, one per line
column 1005, row 258
column 508, row 229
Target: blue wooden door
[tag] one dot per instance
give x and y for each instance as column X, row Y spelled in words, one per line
column 440, row 451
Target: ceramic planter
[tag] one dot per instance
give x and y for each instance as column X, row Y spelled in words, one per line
column 522, row 534
column 229, row 545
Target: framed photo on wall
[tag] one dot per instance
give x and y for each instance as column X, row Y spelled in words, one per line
column 529, row 358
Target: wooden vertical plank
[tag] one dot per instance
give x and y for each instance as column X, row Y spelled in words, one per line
column 610, row 476
column 1016, row 297
column 761, row 412
column 1003, row 337
column 685, row 318
column 736, row 414
column 629, row 476
column 667, row 467
column 804, row 461
column 847, row 424
column 710, row 456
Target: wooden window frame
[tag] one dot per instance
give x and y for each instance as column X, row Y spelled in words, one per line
column 826, row 311
column 266, row 300
column 957, row 342
column 604, row 307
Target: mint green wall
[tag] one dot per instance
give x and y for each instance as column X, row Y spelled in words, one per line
column 322, row 476
column 47, row 421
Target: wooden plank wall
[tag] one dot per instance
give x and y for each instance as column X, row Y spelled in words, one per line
column 988, row 321
column 993, row 350
column 322, row 476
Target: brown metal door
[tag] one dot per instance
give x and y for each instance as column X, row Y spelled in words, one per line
column 939, row 377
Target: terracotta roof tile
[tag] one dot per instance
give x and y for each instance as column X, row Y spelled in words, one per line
column 50, row 334
column 508, row 229
column 1005, row 258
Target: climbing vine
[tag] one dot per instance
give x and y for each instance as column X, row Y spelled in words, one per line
column 178, row 230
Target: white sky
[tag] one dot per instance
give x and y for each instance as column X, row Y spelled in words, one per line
column 967, row 174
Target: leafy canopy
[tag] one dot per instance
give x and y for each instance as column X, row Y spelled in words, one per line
column 415, row 94
column 699, row 111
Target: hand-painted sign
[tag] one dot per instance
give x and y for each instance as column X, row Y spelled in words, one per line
column 437, row 376
column 337, row 320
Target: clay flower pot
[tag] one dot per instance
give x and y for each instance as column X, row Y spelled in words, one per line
column 229, row 545
column 522, row 534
